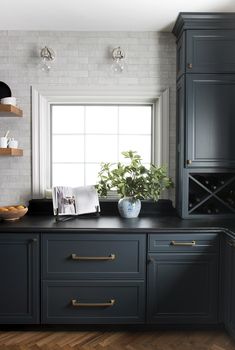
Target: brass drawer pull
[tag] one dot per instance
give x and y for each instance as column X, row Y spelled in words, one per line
column 76, row 303
column 77, row 257
column 183, row 244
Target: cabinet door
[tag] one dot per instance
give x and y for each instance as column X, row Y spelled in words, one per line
column 19, row 275
column 182, row 288
column 210, row 51
column 229, row 286
column 210, row 122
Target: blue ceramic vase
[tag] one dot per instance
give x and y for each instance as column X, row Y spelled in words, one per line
column 129, row 207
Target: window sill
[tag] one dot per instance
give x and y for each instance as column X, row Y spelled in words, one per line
column 163, row 207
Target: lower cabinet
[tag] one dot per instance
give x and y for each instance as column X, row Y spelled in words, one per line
column 111, row 278
column 183, row 279
column 229, row 285
column 93, row 302
column 93, row 278
column 19, row 276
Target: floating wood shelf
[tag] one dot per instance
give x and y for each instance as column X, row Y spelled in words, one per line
column 12, row 152
column 10, row 111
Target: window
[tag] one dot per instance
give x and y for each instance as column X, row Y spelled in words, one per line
column 124, row 130
column 83, row 136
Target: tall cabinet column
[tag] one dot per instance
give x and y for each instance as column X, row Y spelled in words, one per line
column 205, row 114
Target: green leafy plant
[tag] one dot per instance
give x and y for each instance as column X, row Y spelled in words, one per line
column 133, row 179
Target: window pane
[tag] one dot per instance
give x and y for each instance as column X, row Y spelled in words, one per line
column 92, row 173
column 67, row 119
column 101, row 148
column 140, row 144
column 68, row 175
column 68, row 148
column 101, row 119
column 135, row 119
column 84, row 136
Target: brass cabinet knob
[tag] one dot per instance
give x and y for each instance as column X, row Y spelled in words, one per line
column 190, row 65
column 189, row 161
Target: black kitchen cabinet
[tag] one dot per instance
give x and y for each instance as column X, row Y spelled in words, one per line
column 19, row 275
column 228, row 273
column 172, row 277
column 94, row 302
column 206, row 51
column 210, row 121
column 83, row 256
column 183, row 279
column 205, row 113
column 210, row 51
column 93, row 278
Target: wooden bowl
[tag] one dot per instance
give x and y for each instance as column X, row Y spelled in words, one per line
column 12, row 215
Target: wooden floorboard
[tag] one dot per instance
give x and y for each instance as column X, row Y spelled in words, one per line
column 116, row 340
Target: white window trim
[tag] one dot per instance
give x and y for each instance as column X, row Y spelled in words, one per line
column 41, row 104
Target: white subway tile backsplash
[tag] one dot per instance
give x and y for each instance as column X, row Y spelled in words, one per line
column 83, row 61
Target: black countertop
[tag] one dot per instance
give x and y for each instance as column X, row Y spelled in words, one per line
column 37, row 224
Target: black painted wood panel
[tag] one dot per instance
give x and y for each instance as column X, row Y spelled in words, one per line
column 180, row 242
column 128, row 307
column 183, row 288
column 228, row 269
column 19, row 275
column 210, row 51
column 128, row 249
column 180, row 56
column 180, row 138
column 210, row 121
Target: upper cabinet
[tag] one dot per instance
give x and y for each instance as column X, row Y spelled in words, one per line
column 210, row 51
column 205, row 43
column 206, row 68
column 206, row 51
column 210, row 122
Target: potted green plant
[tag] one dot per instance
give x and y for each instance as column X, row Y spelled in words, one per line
column 133, row 182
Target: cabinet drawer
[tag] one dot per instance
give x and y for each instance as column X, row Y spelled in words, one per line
column 93, row 302
column 183, row 242
column 93, row 256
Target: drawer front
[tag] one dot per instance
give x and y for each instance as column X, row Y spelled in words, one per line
column 93, row 302
column 93, row 256
column 183, row 242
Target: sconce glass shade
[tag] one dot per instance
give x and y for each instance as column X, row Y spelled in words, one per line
column 47, row 56
column 44, row 65
column 118, row 60
column 118, row 66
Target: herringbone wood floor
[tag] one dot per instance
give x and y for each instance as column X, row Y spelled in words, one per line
column 116, row 340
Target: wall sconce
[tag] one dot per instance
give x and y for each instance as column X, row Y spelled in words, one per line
column 118, row 60
column 47, row 56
